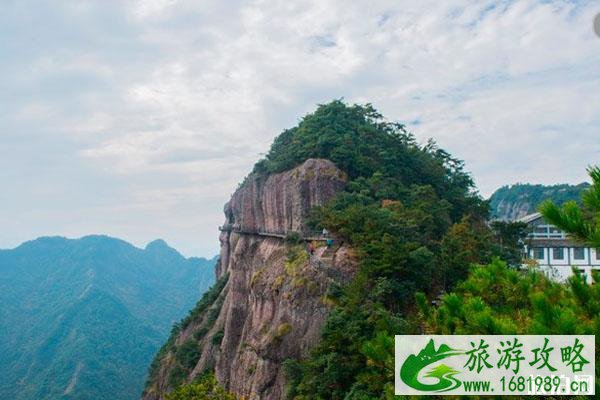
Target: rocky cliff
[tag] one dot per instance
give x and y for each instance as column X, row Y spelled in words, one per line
column 507, row 210
column 274, row 301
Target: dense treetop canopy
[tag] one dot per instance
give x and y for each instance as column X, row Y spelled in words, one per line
column 379, row 156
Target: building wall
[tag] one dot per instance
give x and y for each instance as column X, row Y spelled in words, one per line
column 595, row 256
column 562, row 269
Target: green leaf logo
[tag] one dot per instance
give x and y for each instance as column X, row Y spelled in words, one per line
column 412, row 366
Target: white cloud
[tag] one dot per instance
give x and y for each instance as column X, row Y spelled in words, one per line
column 162, row 106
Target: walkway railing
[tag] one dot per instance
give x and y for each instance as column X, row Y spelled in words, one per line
column 307, row 235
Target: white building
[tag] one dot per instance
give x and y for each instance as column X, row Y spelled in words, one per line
column 555, row 253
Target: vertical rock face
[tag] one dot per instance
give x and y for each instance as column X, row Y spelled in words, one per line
column 512, row 211
column 274, row 303
column 282, row 202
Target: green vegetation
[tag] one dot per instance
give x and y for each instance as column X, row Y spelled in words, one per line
column 257, row 275
column 507, row 239
column 89, row 314
column 293, row 238
column 208, row 299
column 201, row 332
column 583, row 223
column 498, row 300
column 296, row 257
column 187, row 354
column 218, row 338
column 282, row 330
column 529, row 197
column 495, row 299
column 204, row 388
column 381, row 158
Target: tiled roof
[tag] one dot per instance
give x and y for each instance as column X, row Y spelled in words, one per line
column 530, row 218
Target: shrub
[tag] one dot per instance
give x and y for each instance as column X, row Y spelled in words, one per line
column 296, row 258
column 205, row 388
column 282, row 330
column 278, row 282
column 217, row 338
column 206, row 301
column 214, row 311
column 201, row 332
column 293, row 238
column 177, row 376
column 188, row 354
column 256, row 276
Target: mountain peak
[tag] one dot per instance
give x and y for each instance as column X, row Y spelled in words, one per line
column 160, row 246
column 157, row 244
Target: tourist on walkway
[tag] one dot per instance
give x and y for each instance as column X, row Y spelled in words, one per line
column 311, row 248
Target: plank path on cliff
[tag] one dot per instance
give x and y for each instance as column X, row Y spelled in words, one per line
column 307, row 236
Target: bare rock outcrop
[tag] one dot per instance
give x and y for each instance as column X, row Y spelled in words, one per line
column 282, row 201
column 274, row 302
column 512, row 211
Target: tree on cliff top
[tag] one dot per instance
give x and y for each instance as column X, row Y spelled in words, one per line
column 367, row 147
column 411, row 213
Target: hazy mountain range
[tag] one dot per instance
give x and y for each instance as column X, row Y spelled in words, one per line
column 82, row 319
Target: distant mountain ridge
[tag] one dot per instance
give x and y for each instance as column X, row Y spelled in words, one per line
column 82, row 318
column 512, row 202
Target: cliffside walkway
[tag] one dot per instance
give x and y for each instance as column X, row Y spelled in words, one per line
column 306, row 236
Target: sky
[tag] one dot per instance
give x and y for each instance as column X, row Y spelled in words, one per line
column 137, row 119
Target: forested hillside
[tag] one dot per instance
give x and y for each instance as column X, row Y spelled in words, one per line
column 81, row 319
column 511, row 202
column 413, row 216
column 414, row 220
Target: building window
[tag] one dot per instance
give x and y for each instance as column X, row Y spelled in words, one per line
column 538, row 253
column 558, row 253
column 555, row 232
column 579, row 253
column 597, row 254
